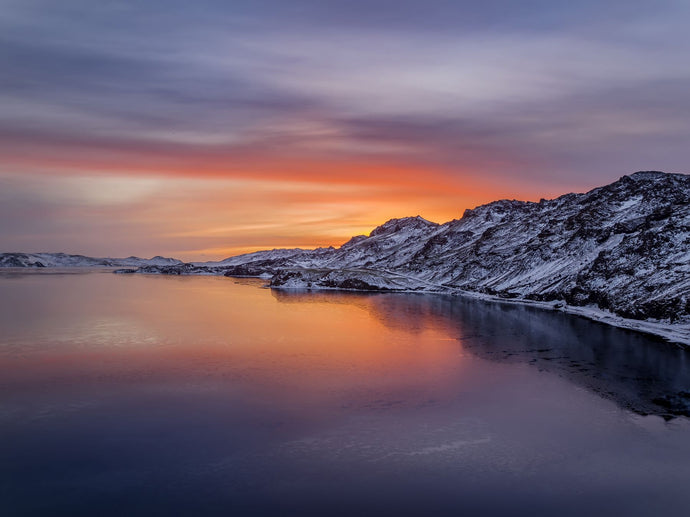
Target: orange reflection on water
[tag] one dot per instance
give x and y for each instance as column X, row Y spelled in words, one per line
column 101, row 328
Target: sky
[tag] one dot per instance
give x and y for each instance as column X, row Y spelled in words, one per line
column 205, row 129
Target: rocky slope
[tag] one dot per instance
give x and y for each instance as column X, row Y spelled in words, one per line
column 65, row 260
column 624, row 247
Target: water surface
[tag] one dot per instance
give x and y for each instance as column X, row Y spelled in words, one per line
column 153, row 395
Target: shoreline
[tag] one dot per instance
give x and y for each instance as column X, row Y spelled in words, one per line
column 675, row 334
column 678, row 335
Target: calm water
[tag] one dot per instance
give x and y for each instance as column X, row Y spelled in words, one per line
column 148, row 395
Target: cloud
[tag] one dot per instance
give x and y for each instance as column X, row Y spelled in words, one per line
column 189, row 218
column 444, row 103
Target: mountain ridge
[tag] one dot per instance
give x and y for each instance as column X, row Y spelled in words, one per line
column 622, row 249
column 47, row 260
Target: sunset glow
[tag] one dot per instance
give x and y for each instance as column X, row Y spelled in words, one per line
column 208, row 130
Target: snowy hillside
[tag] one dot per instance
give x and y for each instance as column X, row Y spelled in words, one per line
column 624, row 247
column 65, row 260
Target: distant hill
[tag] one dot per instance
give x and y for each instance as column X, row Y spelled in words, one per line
column 65, row 260
column 623, row 247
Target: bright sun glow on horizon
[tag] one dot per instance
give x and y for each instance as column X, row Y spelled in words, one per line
column 212, row 218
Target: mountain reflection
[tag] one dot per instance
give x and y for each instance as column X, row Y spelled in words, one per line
column 638, row 372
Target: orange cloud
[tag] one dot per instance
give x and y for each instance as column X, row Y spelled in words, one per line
column 209, row 202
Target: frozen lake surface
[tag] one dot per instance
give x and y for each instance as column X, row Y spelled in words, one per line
column 155, row 395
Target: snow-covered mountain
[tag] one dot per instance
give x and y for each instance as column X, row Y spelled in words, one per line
column 65, row 260
column 624, row 247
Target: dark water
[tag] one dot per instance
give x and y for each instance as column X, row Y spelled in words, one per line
column 137, row 395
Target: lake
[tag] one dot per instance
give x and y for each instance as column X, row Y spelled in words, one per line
column 156, row 395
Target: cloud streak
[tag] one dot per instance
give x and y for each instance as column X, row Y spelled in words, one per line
column 456, row 101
